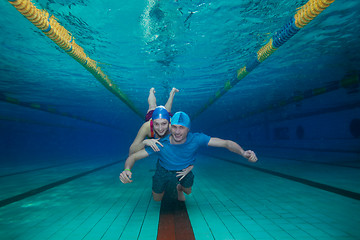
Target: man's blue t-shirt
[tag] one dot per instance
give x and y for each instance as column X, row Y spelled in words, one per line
column 179, row 156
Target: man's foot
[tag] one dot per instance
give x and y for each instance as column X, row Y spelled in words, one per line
column 173, row 91
column 181, row 195
column 152, row 90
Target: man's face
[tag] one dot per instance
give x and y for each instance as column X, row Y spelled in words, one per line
column 179, row 133
column 161, row 127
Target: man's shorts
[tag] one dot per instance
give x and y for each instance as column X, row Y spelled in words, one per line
column 162, row 177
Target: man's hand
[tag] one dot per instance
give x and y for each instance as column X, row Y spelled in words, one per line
column 152, row 143
column 125, row 176
column 250, row 155
column 184, row 172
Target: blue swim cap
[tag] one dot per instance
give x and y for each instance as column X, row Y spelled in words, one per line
column 181, row 118
column 161, row 112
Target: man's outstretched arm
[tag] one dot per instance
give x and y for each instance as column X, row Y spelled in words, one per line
column 233, row 147
column 125, row 176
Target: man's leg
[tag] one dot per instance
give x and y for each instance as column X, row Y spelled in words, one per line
column 181, row 190
column 158, row 196
column 185, row 186
column 160, row 180
column 169, row 102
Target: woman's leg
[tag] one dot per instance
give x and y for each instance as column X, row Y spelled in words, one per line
column 169, row 102
column 152, row 100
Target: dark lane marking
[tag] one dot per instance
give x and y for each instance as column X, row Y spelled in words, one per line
column 37, row 169
column 35, row 191
column 323, row 163
column 174, row 222
column 315, row 162
column 183, row 228
column 322, row 186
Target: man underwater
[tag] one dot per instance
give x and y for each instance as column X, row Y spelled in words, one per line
column 177, row 156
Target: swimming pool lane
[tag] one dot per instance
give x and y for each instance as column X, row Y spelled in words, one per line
column 229, row 201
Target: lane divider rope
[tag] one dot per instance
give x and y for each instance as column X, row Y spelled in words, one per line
column 303, row 16
column 65, row 40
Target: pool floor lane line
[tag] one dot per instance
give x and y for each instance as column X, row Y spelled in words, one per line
column 343, row 192
column 174, row 221
column 38, row 169
column 316, row 162
column 35, row 191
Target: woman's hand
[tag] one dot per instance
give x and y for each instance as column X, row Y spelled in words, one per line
column 184, row 172
column 153, row 144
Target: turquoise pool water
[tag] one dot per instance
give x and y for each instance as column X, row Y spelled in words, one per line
column 298, row 110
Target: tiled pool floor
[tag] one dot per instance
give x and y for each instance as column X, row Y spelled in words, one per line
column 229, row 201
